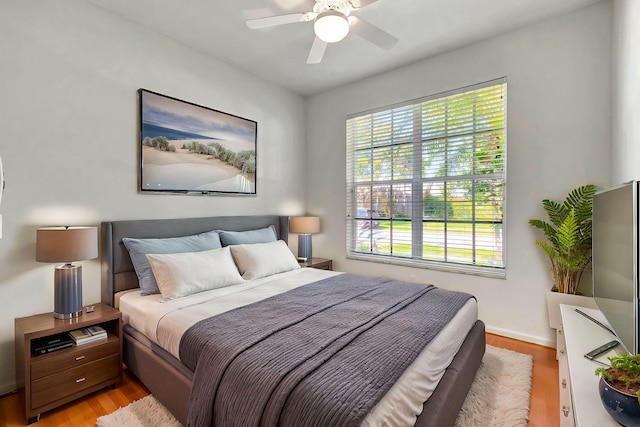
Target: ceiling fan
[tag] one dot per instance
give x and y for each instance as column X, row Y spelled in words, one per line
column 332, row 22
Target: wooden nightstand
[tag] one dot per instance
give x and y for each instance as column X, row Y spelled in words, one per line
column 319, row 263
column 50, row 380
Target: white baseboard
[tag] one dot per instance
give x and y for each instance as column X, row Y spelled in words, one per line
column 520, row 336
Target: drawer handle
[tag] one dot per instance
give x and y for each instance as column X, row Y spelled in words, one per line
column 565, row 411
column 79, row 357
column 564, row 383
column 80, row 380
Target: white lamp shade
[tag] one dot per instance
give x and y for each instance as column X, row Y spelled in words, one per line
column 331, row 26
column 66, row 244
column 304, row 225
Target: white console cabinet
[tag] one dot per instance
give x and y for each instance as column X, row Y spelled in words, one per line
column 580, row 404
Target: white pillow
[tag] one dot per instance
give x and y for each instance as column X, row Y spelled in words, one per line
column 187, row 273
column 263, row 259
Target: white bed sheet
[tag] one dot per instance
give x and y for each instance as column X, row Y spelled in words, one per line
column 164, row 323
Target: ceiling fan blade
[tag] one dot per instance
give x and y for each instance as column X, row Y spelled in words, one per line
column 272, row 21
column 317, row 51
column 362, row 3
column 372, row 33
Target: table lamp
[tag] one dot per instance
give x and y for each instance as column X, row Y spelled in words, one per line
column 67, row 244
column 305, row 226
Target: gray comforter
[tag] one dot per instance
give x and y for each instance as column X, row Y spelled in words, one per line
column 319, row 355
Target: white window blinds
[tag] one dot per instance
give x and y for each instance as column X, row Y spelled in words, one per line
column 426, row 180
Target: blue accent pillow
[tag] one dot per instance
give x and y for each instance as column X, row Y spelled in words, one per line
column 262, row 235
column 139, row 248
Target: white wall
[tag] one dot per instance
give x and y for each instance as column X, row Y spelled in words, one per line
column 626, row 91
column 69, row 72
column 558, row 138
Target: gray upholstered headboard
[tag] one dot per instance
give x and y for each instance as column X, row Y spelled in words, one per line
column 117, row 270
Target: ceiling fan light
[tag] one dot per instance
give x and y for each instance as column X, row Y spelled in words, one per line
column 331, row 26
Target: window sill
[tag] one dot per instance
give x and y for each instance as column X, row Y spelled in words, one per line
column 496, row 273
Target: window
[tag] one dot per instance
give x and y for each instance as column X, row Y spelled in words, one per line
column 426, row 181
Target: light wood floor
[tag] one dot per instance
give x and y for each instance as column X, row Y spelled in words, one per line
column 545, row 395
column 83, row 412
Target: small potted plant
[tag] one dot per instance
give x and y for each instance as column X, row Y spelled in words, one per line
column 619, row 389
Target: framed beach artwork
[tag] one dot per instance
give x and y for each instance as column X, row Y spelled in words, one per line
column 188, row 148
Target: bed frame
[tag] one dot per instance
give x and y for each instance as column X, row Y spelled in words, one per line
column 170, row 382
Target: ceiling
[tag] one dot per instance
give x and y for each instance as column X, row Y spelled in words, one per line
column 278, row 54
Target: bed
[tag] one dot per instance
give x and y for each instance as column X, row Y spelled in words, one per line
column 154, row 361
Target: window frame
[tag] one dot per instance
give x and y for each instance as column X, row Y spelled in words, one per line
column 418, row 221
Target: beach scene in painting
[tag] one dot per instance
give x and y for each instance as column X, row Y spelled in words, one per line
column 186, row 147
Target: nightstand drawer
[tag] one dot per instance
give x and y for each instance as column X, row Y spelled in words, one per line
column 78, row 355
column 65, row 383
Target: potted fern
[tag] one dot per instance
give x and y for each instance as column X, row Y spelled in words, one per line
column 568, row 247
column 619, row 389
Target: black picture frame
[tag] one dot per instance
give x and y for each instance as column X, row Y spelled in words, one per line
column 191, row 149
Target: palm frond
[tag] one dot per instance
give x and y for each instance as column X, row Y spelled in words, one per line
column 584, row 213
column 568, row 233
column 548, row 249
column 547, row 228
column 556, row 211
column 580, row 196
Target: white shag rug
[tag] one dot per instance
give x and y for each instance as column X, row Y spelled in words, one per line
column 146, row 412
column 500, row 393
column 499, row 397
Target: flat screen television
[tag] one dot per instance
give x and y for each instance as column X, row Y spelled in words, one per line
column 190, row 149
column 615, row 260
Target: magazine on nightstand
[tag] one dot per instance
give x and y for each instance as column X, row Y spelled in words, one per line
column 89, row 334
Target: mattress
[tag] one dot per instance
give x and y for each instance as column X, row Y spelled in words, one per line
column 165, row 322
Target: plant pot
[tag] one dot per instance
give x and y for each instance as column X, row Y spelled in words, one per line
column 554, row 299
column 623, row 407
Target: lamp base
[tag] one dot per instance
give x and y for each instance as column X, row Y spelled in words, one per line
column 67, row 291
column 304, row 246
